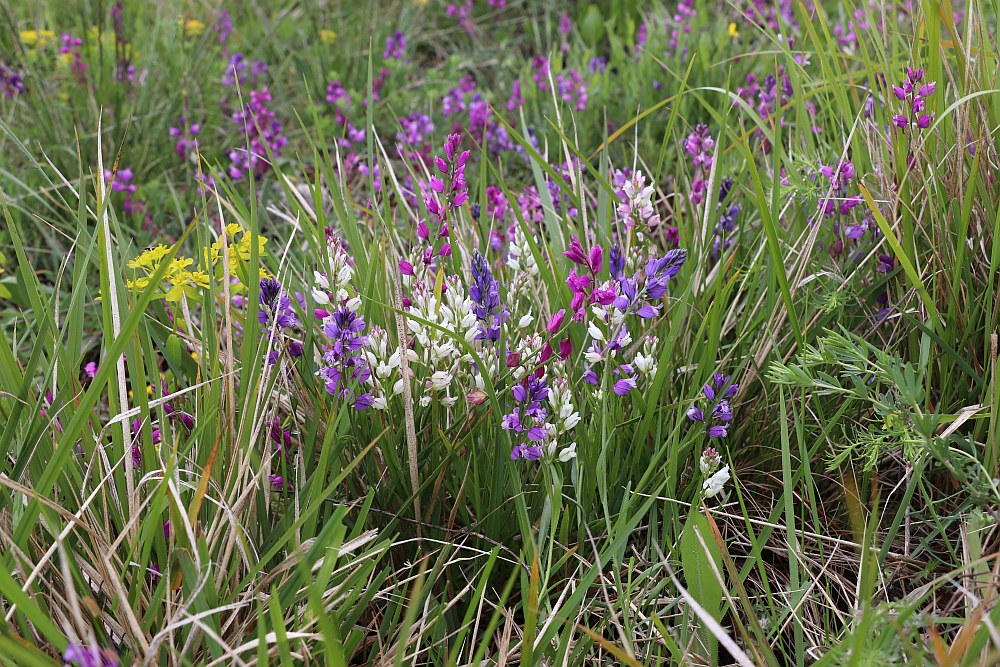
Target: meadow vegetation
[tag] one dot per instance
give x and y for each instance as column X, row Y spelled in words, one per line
column 499, row 332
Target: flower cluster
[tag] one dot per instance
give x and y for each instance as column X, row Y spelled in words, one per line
column 682, row 20
column 121, row 181
column 728, row 212
column 914, row 96
column 242, row 71
column 839, row 178
column 527, row 420
column 10, row 81
column 699, row 145
column 719, row 415
column 416, row 128
column 186, row 136
column 636, row 207
column 715, row 478
column 485, row 295
column 89, row 656
column 395, row 46
column 452, row 188
column 277, row 316
column 613, row 303
column 345, row 372
column 262, row 132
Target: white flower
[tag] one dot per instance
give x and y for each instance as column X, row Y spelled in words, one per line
column 644, row 364
column 571, row 421
column 379, row 403
column 321, row 297
column 354, row 304
column 594, row 332
column 525, row 321
column 714, row 484
column 321, row 281
column 439, row 380
column 593, row 355
column 568, row 453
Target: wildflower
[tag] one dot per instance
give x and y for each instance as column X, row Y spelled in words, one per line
column 519, row 257
column 485, row 294
column 571, row 88
column 699, row 145
column 10, row 81
column 733, row 31
column 262, row 130
column 636, row 207
column 346, row 371
column 415, row 129
column 682, row 19
column 709, row 462
column 327, row 36
column 516, row 101
column 242, row 70
column 527, row 419
column 89, row 656
column 39, row 38
column 275, row 306
column 727, row 219
column 914, row 100
column 561, row 455
column 462, row 12
column 714, row 484
column 223, row 26
column 90, row 369
column 186, row 137
column 717, row 393
column 193, row 28
column 838, row 178
column 395, row 46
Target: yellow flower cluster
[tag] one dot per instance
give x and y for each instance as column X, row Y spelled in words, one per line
column 327, row 36
column 193, row 28
column 181, row 280
column 37, row 38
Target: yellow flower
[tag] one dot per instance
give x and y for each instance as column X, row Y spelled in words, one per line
column 193, row 28
column 178, row 266
column 150, row 258
column 327, row 36
column 245, row 247
column 139, row 284
column 34, row 38
column 66, row 58
column 733, row 32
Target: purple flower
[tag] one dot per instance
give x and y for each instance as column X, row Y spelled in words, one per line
column 914, row 99
column 699, row 145
column 223, row 26
column 717, row 392
column 90, row 656
column 10, row 81
column 262, row 132
column 346, row 372
column 527, row 419
column 484, row 292
column 395, row 46
column 415, row 129
column 624, row 386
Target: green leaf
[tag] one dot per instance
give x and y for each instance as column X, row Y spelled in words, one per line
column 700, row 560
